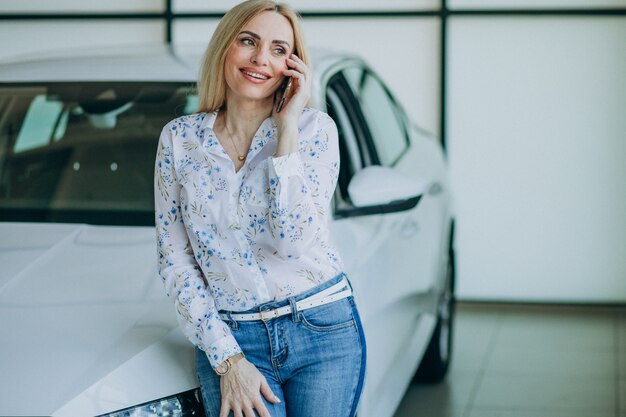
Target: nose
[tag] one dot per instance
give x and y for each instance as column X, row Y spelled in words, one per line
column 260, row 57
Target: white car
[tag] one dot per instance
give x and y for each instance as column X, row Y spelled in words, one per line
column 85, row 324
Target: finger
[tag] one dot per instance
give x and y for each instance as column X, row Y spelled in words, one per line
column 268, row 393
column 237, row 412
column 300, row 70
column 300, row 66
column 224, row 409
column 248, row 411
column 260, row 408
column 299, row 81
column 296, row 58
column 291, row 73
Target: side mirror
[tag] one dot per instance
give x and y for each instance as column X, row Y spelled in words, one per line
column 377, row 189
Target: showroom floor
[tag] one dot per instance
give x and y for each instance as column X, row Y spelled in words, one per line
column 530, row 361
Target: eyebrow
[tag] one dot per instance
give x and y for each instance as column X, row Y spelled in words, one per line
column 254, row 35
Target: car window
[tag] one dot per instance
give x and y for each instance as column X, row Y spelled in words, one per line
column 382, row 115
column 40, row 124
column 83, row 152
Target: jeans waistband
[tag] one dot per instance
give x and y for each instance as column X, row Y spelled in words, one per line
column 275, row 304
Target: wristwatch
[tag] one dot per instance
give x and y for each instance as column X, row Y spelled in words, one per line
column 224, row 367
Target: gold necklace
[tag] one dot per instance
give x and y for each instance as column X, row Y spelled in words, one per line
column 241, row 157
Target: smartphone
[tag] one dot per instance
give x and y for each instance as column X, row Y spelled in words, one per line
column 285, row 89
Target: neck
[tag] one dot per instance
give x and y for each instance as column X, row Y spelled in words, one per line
column 243, row 117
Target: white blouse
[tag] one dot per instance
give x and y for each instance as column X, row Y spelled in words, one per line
column 233, row 240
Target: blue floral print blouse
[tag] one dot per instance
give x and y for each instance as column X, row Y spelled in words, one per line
column 231, row 240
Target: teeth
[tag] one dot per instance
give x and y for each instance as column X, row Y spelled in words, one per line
column 255, row 75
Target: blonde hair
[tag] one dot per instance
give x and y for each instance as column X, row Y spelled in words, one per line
column 211, row 82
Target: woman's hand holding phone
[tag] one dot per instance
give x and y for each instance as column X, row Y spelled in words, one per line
column 287, row 113
column 297, row 90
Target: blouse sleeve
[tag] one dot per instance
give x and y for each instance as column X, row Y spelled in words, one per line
column 301, row 187
column 181, row 275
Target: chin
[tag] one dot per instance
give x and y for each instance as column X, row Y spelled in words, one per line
column 255, row 94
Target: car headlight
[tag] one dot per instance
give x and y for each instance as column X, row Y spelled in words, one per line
column 185, row 404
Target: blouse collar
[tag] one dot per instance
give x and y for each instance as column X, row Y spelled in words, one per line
column 264, row 134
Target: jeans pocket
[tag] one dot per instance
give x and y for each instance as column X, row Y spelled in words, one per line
column 327, row 318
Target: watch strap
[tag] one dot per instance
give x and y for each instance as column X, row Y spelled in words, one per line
column 224, row 367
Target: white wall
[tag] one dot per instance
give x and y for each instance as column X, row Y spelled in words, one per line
column 537, row 145
column 73, row 6
column 23, row 38
column 529, row 4
column 314, row 5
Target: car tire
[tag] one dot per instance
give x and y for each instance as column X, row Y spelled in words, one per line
column 437, row 358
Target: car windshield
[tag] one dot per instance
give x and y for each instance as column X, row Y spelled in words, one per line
column 84, row 153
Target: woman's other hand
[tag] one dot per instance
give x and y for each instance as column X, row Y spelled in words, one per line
column 241, row 391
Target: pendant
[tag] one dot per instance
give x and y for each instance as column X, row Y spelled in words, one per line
column 241, row 158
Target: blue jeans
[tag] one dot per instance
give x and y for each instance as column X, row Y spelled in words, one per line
column 314, row 360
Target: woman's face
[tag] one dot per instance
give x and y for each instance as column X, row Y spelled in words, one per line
column 255, row 60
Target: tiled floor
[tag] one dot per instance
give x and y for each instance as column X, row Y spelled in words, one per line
column 530, row 361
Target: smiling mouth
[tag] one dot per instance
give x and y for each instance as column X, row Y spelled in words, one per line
column 255, row 75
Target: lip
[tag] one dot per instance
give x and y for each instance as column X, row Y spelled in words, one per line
column 254, row 80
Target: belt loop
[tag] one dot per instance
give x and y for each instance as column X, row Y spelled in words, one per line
column 295, row 317
column 348, row 280
column 232, row 323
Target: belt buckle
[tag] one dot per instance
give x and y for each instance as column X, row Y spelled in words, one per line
column 269, row 312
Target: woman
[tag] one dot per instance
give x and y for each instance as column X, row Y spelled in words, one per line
column 243, row 197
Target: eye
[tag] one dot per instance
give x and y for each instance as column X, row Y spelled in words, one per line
column 280, row 51
column 247, row 41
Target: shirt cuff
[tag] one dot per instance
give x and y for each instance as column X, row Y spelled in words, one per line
column 288, row 165
column 222, row 349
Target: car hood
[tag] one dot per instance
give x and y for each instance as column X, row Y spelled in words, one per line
column 78, row 303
